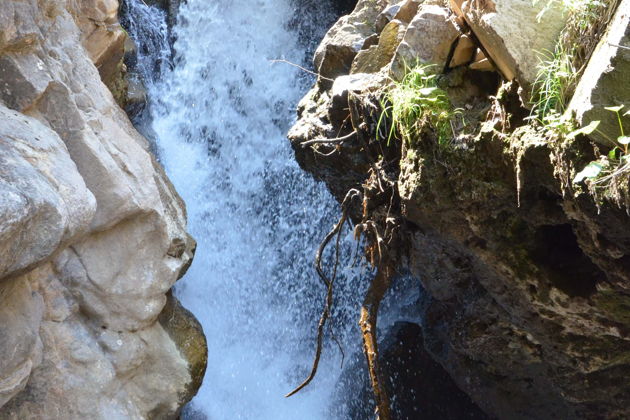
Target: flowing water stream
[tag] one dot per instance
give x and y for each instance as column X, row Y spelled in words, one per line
column 218, row 112
column 219, row 116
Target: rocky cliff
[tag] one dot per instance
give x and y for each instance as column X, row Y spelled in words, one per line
column 92, row 233
column 524, row 265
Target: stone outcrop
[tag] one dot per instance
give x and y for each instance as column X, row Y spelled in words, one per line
column 514, row 33
column 346, row 38
column 428, row 40
column 526, row 274
column 606, row 80
column 92, row 233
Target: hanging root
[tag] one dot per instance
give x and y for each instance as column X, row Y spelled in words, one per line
column 329, row 283
column 367, row 322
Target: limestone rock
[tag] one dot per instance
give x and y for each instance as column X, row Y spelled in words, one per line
column 20, row 345
column 92, row 233
column 428, row 40
column 344, row 40
column 464, row 52
column 378, row 56
column 44, row 203
column 514, row 34
column 606, row 80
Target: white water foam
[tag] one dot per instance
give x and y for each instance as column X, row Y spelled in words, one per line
column 220, row 116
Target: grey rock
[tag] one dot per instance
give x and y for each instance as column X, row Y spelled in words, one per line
column 606, row 81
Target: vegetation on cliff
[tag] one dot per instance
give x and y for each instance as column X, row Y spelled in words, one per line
column 525, row 263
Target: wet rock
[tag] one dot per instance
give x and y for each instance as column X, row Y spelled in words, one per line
column 428, row 40
column 420, row 388
column 187, row 333
column 516, row 313
column 423, row 390
column 606, row 80
column 527, row 277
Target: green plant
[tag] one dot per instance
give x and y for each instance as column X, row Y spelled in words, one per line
column 559, row 70
column 617, row 162
column 415, row 103
column 581, row 7
column 555, row 79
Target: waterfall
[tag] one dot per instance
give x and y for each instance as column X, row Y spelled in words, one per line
column 219, row 117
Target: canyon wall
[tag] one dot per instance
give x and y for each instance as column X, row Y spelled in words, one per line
column 92, row 233
column 526, row 271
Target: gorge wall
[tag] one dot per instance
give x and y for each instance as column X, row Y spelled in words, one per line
column 525, row 270
column 92, row 233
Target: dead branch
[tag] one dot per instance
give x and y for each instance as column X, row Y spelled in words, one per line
column 345, row 206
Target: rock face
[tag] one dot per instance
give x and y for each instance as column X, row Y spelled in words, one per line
column 92, row 233
column 526, row 274
column 606, row 80
column 428, row 40
column 344, row 40
column 423, row 389
column 515, row 33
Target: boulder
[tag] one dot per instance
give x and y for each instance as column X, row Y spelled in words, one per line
column 514, row 34
column 344, row 40
column 376, row 57
column 404, row 11
column 606, row 80
column 428, row 40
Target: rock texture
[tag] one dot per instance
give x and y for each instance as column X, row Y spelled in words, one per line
column 92, row 233
column 527, row 274
column 515, row 33
column 606, row 80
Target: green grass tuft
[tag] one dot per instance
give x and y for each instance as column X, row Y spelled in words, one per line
column 415, row 103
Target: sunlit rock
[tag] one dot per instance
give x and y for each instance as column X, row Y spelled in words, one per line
column 606, row 81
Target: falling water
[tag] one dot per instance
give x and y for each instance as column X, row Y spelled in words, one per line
column 220, row 116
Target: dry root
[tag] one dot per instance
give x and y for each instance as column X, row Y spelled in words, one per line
column 368, row 322
column 329, row 283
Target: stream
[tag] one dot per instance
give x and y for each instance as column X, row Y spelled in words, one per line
column 218, row 113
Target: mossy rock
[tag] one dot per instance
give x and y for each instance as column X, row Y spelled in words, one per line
column 187, row 333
